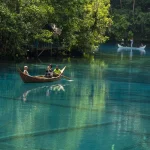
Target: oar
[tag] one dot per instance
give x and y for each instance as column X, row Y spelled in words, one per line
column 66, row 77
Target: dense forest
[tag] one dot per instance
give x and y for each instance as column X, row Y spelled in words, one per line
column 76, row 25
column 131, row 19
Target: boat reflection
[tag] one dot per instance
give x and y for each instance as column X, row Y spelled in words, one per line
column 47, row 90
column 123, row 50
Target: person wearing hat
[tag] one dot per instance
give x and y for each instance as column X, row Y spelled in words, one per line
column 26, row 70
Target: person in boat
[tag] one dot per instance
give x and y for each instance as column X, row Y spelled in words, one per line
column 141, row 45
column 50, row 68
column 57, row 71
column 26, row 70
column 122, row 42
column 131, row 40
column 49, row 71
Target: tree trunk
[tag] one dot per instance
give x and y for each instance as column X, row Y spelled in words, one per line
column 120, row 3
column 133, row 6
column 17, row 6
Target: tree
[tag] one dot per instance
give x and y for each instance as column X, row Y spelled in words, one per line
column 83, row 22
column 136, row 19
column 133, row 7
column 120, row 3
column 22, row 23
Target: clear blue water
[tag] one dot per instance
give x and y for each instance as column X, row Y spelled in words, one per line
column 105, row 105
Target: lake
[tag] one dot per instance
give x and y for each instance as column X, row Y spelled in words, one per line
column 104, row 106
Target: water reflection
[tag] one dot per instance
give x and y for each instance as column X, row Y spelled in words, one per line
column 46, row 89
column 62, row 120
column 123, row 50
column 65, row 115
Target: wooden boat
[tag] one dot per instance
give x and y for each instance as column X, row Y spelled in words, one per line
column 129, row 48
column 40, row 78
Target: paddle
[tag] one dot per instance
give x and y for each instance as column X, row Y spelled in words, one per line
column 66, row 77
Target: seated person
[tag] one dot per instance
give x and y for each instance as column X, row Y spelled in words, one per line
column 57, row 71
column 141, row 45
column 26, row 70
column 49, row 72
column 50, row 68
column 122, row 42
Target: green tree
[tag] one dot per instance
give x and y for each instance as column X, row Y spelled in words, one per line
column 136, row 19
column 84, row 23
column 23, row 25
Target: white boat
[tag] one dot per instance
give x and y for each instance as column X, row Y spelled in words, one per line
column 133, row 48
column 130, row 49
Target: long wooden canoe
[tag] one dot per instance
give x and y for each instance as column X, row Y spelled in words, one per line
column 38, row 79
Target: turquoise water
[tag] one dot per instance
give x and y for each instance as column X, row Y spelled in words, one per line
column 105, row 105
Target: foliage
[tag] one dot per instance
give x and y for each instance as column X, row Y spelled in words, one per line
column 120, row 26
column 22, row 27
column 131, row 18
column 82, row 24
